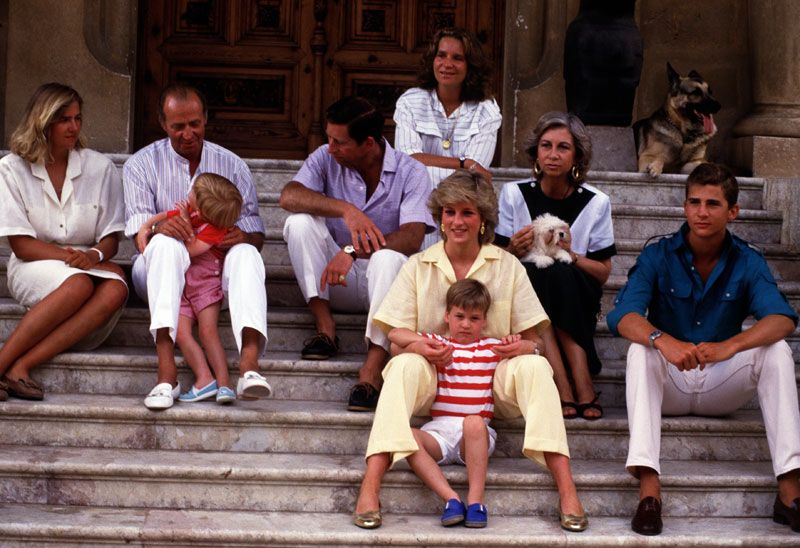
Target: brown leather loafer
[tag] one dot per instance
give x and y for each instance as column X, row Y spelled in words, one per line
column 647, row 520
column 26, row 389
column 787, row 515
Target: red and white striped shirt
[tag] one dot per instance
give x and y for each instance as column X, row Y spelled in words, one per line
column 465, row 386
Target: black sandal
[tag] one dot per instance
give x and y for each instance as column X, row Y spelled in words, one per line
column 583, row 407
column 569, row 405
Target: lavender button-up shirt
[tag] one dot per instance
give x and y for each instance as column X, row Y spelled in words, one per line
column 401, row 196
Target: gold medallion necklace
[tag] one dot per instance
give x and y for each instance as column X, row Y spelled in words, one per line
column 448, row 141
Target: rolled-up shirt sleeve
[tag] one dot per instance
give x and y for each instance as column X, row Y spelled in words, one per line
column 140, row 202
column 414, row 206
column 406, row 138
column 636, row 295
column 111, row 209
column 765, row 297
column 249, row 219
column 481, row 145
column 13, row 217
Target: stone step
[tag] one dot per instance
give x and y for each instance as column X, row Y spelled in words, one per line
column 325, row 427
column 623, row 187
column 131, row 371
column 85, row 526
column 289, row 327
column 274, row 482
column 630, row 221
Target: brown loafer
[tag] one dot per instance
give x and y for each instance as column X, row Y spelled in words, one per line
column 26, row 389
column 647, row 520
column 787, row 515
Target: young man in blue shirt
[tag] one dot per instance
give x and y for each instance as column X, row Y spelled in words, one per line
column 682, row 309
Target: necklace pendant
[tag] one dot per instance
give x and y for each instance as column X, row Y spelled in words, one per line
column 446, row 144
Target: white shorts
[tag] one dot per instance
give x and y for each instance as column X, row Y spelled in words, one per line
column 448, row 431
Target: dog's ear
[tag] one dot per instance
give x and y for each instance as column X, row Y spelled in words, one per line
column 694, row 75
column 672, row 74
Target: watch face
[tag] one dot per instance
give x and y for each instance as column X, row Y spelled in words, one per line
column 349, row 249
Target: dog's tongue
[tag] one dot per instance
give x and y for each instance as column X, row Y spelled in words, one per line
column 708, row 123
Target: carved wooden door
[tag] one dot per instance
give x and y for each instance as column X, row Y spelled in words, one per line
column 269, row 68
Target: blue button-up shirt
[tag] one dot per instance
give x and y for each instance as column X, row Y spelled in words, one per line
column 665, row 285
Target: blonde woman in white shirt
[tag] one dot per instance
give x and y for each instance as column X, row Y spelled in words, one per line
column 61, row 214
column 450, row 120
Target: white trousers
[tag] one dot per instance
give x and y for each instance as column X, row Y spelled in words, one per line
column 311, row 247
column 159, row 275
column 655, row 388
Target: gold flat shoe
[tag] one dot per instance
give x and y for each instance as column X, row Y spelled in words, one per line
column 367, row 520
column 569, row 522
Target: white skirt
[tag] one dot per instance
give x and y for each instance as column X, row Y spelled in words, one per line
column 31, row 281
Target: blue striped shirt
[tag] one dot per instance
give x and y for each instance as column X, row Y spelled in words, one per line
column 156, row 177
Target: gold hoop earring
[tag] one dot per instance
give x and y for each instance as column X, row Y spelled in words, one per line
column 575, row 173
column 483, row 229
column 537, row 169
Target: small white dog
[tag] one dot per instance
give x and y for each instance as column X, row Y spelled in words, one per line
column 548, row 230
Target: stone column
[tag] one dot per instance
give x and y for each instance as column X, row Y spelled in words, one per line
column 769, row 137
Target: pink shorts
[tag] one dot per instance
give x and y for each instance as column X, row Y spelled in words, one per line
column 203, row 284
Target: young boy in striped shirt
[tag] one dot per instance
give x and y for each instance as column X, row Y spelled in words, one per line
column 459, row 432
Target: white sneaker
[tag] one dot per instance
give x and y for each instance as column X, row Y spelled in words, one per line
column 252, row 386
column 162, row 396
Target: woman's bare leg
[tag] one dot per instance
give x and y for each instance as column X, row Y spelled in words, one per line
column 106, row 299
column 559, row 467
column 579, row 367
column 44, row 317
column 560, row 377
column 369, row 493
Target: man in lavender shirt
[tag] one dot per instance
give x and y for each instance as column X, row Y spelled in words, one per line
column 359, row 209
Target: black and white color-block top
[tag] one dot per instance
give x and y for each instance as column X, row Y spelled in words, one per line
column 587, row 210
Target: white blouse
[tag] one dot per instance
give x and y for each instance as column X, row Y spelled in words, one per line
column 90, row 208
column 422, row 126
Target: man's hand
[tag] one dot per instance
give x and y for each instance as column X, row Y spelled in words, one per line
column 521, row 242
column 683, row 355
column 81, row 259
column 233, row 237
column 512, row 346
column 336, row 271
column 364, row 234
column 477, row 168
column 142, row 238
column 716, row 352
column 176, row 227
column 439, row 354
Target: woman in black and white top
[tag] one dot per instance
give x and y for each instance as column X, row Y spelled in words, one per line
column 561, row 150
column 450, row 120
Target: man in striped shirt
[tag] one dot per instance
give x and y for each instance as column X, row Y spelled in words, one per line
column 154, row 179
column 459, row 432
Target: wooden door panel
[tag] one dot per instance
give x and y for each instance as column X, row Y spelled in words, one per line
column 270, row 67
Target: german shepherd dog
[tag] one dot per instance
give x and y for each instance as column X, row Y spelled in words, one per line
column 675, row 136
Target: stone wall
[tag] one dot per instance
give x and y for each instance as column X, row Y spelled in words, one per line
column 87, row 44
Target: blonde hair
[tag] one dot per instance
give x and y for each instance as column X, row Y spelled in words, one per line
column 29, row 140
column 466, row 186
column 218, row 199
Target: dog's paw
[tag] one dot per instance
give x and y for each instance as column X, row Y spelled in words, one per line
column 563, row 256
column 654, row 169
column 542, row 261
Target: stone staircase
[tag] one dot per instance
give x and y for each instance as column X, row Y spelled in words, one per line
column 91, row 466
